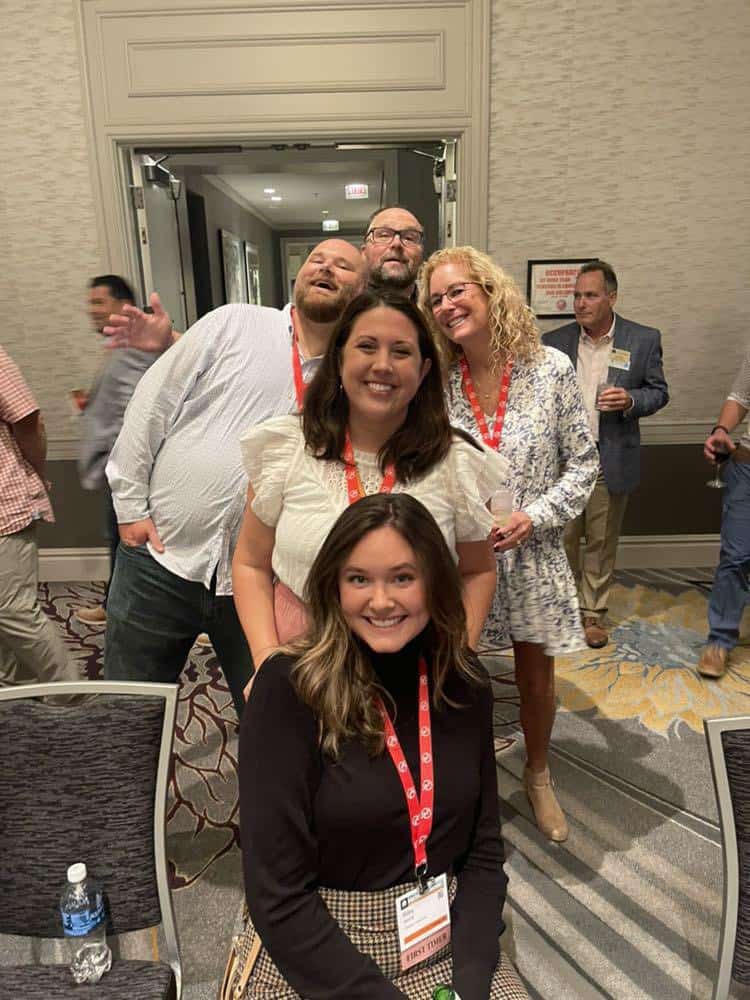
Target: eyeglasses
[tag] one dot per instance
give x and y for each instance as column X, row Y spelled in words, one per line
column 384, row 234
column 454, row 294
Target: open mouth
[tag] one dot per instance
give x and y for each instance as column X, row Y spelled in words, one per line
column 323, row 283
column 386, row 622
column 382, row 388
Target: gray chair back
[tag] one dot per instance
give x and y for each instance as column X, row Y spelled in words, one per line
column 87, row 782
column 729, row 753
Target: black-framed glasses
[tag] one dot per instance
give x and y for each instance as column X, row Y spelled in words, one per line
column 384, row 234
column 454, row 294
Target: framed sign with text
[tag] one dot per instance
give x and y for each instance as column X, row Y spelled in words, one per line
column 550, row 285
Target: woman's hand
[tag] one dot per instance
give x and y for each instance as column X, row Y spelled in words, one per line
column 516, row 531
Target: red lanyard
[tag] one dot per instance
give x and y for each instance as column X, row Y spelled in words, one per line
column 493, row 440
column 420, row 806
column 299, row 383
column 354, row 488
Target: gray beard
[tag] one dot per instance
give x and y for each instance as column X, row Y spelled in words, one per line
column 390, row 282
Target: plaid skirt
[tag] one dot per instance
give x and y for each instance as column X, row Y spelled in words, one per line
column 369, row 921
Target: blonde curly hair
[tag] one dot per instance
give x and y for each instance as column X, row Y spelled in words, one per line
column 513, row 329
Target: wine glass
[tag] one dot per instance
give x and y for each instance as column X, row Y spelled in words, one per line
column 716, row 482
column 501, row 507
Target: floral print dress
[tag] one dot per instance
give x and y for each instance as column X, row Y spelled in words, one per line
column 553, row 458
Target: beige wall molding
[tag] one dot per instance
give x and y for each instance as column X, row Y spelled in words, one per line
column 652, row 433
column 210, row 71
column 73, row 565
column 634, row 552
column 667, row 551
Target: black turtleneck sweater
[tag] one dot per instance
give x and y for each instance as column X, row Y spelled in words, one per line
column 307, row 821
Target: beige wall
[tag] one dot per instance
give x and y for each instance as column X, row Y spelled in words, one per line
column 49, row 245
column 619, row 131
column 622, row 131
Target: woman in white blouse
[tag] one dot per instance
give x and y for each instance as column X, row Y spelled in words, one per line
column 374, row 420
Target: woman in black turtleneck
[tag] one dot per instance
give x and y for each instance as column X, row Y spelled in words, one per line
column 322, row 806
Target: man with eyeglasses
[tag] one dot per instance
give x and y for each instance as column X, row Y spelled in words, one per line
column 393, row 249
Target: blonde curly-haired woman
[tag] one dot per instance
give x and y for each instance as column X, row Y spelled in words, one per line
column 522, row 399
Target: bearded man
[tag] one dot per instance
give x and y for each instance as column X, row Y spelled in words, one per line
column 176, row 472
column 393, row 248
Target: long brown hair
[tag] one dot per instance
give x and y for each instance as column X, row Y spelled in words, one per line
column 423, row 439
column 332, row 673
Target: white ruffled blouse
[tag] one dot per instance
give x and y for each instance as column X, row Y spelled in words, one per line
column 302, row 496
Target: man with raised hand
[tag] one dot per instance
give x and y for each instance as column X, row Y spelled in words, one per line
column 176, row 473
column 104, row 409
column 393, row 248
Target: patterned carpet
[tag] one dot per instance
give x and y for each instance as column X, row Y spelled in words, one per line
column 628, row 908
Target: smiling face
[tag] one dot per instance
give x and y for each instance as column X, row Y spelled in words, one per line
column 382, row 367
column 465, row 317
column 393, row 266
column 328, row 280
column 382, row 591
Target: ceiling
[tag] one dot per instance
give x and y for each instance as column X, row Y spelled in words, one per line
column 309, row 180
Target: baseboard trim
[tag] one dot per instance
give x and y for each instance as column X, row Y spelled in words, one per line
column 667, row 551
column 634, row 552
column 73, row 565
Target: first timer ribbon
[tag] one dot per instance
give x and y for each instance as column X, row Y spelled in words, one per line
column 420, row 805
column 491, row 440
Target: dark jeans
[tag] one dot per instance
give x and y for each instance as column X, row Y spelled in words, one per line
column 153, row 617
column 112, row 535
column 732, row 579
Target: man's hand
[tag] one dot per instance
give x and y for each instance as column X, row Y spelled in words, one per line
column 145, row 331
column 139, row 532
column 517, row 530
column 719, row 440
column 614, row 398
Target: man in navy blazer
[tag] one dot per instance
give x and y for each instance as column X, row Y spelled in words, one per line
column 619, row 367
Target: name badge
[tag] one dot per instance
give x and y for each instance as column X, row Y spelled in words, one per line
column 424, row 921
column 620, row 359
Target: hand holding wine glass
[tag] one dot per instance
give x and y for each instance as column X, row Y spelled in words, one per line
column 717, row 448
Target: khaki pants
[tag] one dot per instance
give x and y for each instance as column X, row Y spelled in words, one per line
column 593, row 564
column 31, row 648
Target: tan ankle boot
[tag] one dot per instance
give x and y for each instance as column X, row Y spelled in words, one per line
column 549, row 816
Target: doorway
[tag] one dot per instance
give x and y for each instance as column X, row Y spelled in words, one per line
column 216, row 224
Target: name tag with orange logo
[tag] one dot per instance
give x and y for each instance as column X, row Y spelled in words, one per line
column 424, row 921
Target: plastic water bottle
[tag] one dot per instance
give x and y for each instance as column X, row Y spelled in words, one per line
column 83, row 921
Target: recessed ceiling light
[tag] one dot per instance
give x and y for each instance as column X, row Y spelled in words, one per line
column 276, row 197
column 324, row 212
column 269, row 190
column 330, row 225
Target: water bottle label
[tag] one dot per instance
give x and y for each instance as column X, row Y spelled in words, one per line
column 78, row 924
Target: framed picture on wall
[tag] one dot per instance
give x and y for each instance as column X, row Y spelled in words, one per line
column 252, row 274
column 233, row 267
column 550, row 285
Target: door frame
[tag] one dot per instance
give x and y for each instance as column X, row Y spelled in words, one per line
column 111, row 141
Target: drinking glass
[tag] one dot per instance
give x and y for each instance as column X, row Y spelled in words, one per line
column 501, row 507
column 716, row 482
column 600, row 387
